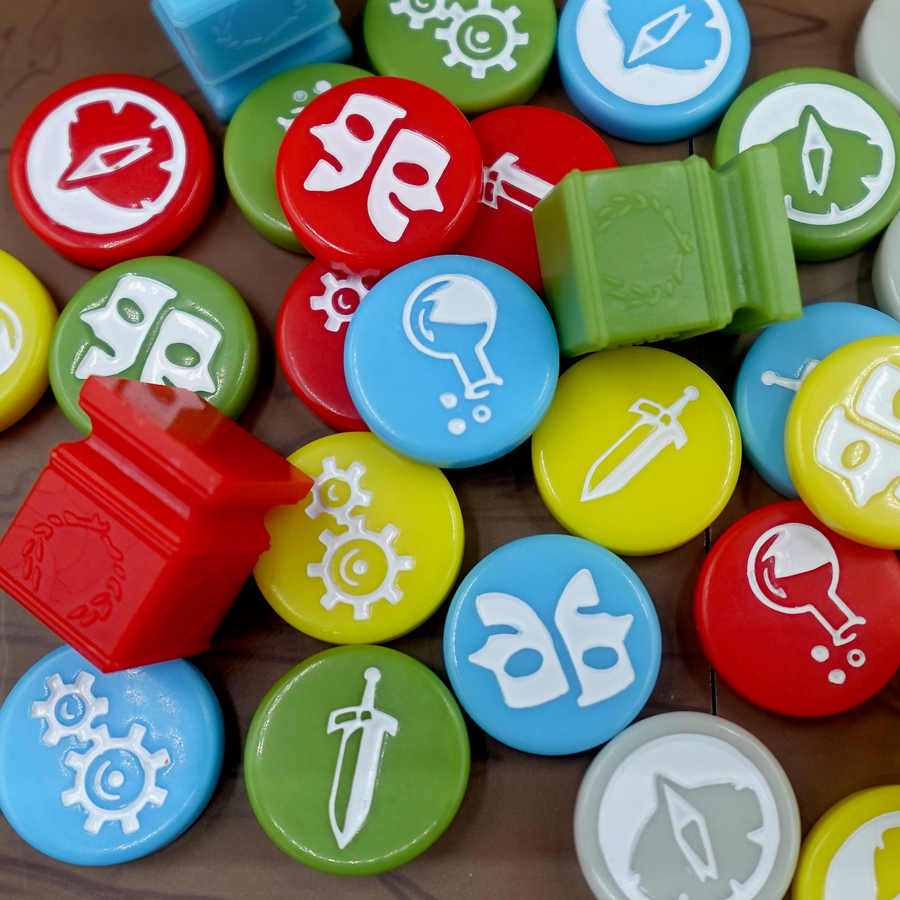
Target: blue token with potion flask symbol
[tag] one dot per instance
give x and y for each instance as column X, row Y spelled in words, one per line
column 452, row 361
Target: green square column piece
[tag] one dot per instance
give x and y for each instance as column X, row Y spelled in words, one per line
column 666, row 250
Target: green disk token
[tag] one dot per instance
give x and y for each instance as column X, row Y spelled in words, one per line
column 254, row 138
column 357, row 760
column 836, row 140
column 162, row 320
column 480, row 54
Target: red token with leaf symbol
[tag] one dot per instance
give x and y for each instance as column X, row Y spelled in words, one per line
column 112, row 167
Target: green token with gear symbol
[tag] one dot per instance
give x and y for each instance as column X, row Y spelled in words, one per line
column 480, row 54
column 837, row 142
column 162, row 320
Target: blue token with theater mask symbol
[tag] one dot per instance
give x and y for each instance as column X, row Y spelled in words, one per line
column 452, row 361
column 552, row 644
column 653, row 70
column 97, row 769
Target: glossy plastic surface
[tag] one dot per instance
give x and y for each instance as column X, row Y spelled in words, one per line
column 357, row 760
column 112, row 167
column 876, row 62
column 373, row 550
column 133, row 542
column 578, row 653
column 100, row 769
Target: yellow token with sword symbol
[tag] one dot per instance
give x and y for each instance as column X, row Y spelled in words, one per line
column 640, row 450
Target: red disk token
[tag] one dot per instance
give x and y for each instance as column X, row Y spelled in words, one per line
column 378, row 172
column 110, row 168
column 796, row 618
column 526, row 151
column 310, row 336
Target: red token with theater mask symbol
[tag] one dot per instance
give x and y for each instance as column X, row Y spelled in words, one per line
column 526, row 151
column 796, row 618
column 378, row 172
column 110, row 168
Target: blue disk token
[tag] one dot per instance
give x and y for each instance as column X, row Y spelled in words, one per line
column 552, row 644
column 645, row 71
column 452, row 361
column 778, row 363
column 100, row 769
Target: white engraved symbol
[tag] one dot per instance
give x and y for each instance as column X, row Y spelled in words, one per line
column 683, row 815
column 794, row 549
column 453, row 317
column 332, row 303
column 815, row 140
column 505, row 171
column 10, row 343
column 355, row 155
column 666, row 430
column 374, row 724
column 96, row 163
column 302, row 98
column 580, row 633
column 792, row 384
column 109, row 764
column 647, row 43
column 126, row 334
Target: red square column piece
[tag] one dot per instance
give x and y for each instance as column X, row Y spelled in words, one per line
column 134, row 541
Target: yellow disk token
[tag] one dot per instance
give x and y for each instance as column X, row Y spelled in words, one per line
column 640, row 450
column 842, row 441
column 27, row 318
column 373, row 549
column 853, row 851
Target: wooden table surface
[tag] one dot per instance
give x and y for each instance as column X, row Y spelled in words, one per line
column 512, row 837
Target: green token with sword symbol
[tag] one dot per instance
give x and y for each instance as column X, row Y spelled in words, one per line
column 357, row 760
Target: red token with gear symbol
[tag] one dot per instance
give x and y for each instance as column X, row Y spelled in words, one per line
column 526, row 151
column 312, row 326
column 379, row 172
column 110, row 168
column 796, row 618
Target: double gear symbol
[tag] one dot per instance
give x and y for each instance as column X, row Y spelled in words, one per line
column 348, row 555
column 479, row 38
column 115, row 778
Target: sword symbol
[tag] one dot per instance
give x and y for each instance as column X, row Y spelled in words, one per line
column 374, row 724
column 666, row 430
column 792, row 384
column 505, row 172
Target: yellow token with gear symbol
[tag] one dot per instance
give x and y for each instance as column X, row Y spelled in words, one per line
column 842, row 441
column 373, row 549
column 27, row 318
column 640, row 450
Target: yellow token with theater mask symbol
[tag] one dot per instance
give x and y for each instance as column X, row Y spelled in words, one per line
column 370, row 552
column 640, row 450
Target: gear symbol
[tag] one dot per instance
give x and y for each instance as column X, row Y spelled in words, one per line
column 470, row 48
column 82, row 763
column 356, row 496
column 328, row 302
column 77, row 722
column 334, row 545
column 417, row 18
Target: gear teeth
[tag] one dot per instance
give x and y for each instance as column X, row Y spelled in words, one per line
column 357, row 497
column 46, row 709
column 325, row 301
column 417, row 19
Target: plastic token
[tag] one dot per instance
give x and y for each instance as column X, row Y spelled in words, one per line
column 639, row 452
column 112, row 167
column 312, row 326
column 776, row 366
column 162, row 320
column 686, row 805
column 405, row 184
column 27, row 317
column 100, row 769
column 876, row 60
column 852, row 851
column 452, row 361
column 796, row 618
column 357, row 760
column 526, row 151
column 578, row 649
column 886, row 271
column 836, row 140
column 373, row 549
column 842, row 441
column 478, row 55
column 255, row 135
column 647, row 71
